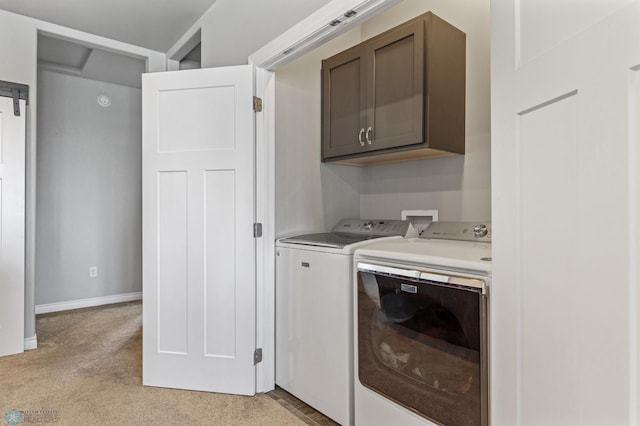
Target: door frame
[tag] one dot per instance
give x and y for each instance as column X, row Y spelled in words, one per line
column 300, row 39
column 265, row 213
column 15, row 99
column 155, row 61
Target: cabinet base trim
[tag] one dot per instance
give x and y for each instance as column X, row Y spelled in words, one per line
column 394, row 157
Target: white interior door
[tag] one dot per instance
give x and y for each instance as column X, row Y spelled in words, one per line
column 198, row 247
column 565, row 167
column 12, row 205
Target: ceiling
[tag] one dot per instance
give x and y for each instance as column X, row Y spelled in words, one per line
column 66, row 57
column 154, row 24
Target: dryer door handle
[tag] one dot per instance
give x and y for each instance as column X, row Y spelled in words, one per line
column 388, row 270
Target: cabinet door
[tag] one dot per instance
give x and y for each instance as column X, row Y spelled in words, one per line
column 343, row 104
column 395, row 79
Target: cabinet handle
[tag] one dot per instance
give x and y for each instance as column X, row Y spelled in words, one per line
column 360, row 134
column 369, row 134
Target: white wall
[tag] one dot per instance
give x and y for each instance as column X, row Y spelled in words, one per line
column 458, row 186
column 231, row 32
column 18, row 47
column 89, row 189
column 310, row 195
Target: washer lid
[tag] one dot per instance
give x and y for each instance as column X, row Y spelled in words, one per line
column 351, row 231
column 337, row 240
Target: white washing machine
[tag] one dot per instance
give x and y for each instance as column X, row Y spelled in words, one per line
column 314, row 312
column 421, row 323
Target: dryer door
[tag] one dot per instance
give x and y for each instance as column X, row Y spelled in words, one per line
column 422, row 342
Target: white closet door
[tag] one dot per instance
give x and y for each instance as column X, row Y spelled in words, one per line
column 198, row 246
column 564, row 297
column 12, row 210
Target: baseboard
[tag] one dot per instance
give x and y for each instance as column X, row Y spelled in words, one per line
column 30, row 343
column 87, row 303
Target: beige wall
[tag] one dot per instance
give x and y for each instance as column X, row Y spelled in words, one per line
column 314, row 195
column 310, row 195
column 459, row 187
column 229, row 34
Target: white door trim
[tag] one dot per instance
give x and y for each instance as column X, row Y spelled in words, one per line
column 12, row 217
column 265, row 214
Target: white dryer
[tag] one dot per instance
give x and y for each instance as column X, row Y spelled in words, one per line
column 314, row 312
column 421, row 344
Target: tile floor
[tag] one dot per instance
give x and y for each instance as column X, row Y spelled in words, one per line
column 300, row 409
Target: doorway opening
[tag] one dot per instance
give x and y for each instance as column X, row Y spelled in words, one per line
column 187, row 54
column 88, row 249
column 193, row 59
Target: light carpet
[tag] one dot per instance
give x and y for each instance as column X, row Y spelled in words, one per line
column 87, row 370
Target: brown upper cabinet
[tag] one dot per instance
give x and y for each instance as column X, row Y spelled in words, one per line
column 397, row 96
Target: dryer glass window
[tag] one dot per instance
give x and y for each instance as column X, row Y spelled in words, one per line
column 422, row 344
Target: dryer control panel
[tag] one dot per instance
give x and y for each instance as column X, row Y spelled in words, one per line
column 462, row 231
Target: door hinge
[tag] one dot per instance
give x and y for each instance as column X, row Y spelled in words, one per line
column 257, row 230
column 16, row 101
column 257, row 356
column 257, row 104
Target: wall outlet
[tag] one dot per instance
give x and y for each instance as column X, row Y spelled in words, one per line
column 93, row 271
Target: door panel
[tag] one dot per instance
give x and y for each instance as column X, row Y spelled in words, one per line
column 172, row 262
column 193, row 125
column 199, row 253
column 220, row 263
column 12, row 211
column 559, row 23
column 563, row 312
column 344, row 93
column 396, row 78
column 551, row 129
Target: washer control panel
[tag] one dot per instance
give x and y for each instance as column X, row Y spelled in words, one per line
column 371, row 226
